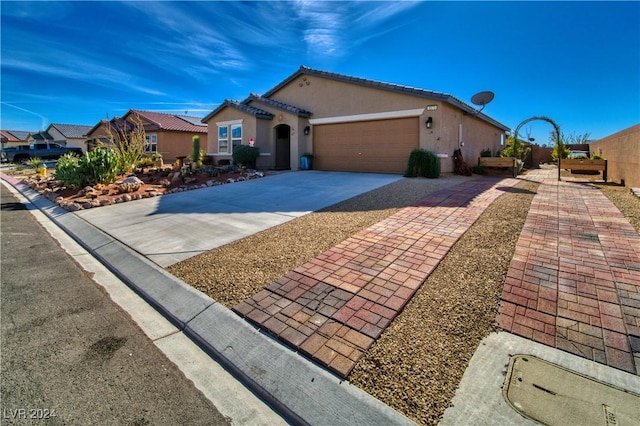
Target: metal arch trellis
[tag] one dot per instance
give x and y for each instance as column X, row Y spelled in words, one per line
column 555, row 125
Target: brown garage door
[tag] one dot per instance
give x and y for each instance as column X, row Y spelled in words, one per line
column 381, row 146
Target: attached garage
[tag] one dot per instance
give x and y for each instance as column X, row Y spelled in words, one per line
column 380, row 146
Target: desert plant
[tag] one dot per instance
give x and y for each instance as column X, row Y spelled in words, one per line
column 128, row 140
column 67, row 171
column 245, row 155
column 33, row 162
column 516, row 149
column 485, row 153
column 197, row 153
column 144, row 162
column 597, row 156
column 99, row 166
column 424, row 164
column 559, row 142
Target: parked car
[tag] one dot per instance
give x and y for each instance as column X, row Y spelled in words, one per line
column 45, row 151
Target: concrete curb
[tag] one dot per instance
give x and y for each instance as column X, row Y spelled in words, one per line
column 301, row 391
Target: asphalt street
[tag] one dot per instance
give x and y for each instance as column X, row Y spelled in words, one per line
column 70, row 355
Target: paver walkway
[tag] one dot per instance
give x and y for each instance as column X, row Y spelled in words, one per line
column 574, row 281
column 333, row 307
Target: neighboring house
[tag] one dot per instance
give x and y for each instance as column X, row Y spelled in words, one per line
column 350, row 124
column 169, row 134
column 70, row 135
column 10, row 138
column 39, row 137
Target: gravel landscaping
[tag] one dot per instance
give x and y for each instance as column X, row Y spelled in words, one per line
column 417, row 363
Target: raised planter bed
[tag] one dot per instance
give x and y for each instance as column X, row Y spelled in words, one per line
column 585, row 165
column 503, row 162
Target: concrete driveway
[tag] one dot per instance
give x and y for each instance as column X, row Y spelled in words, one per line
column 175, row 227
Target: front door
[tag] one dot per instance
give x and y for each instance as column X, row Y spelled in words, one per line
column 283, row 147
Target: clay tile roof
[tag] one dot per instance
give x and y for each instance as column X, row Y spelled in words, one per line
column 72, row 130
column 277, row 104
column 16, row 135
column 173, row 122
column 10, row 135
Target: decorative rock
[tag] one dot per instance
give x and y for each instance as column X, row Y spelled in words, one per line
column 87, row 205
column 73, row 207
column 105, row 192
column 125, row 198
column 130, row 184
column 241, row 179
column 105, row 202
column 210, row 183
column 230, row 180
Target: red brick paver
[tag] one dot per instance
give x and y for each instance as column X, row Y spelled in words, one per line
column 574, row 281
column 333, row 307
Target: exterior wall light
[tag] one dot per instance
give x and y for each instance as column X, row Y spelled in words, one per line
column 307, row 129
column 429, row 122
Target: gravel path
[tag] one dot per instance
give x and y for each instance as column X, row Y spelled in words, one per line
column 417, row 364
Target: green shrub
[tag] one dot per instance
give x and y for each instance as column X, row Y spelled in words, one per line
column 144, row 162
column 245, row 155
column 485, row 153
column 34, row 162
column 596, row 156
column 424, row 164
column 479, row 170
column 99, row 166
column 68, row 171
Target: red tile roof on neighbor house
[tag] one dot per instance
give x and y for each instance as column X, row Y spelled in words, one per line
column 172, row 122
column 14, row 135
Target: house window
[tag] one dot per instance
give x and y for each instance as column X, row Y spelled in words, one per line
column 151, row 144
column 236, row 135
column 223, row 139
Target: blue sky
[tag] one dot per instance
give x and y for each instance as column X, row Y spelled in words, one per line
column 79, row 62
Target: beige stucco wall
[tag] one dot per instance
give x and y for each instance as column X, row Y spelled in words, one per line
column 622, row 150
column 252, row 127
column 327, row 98
column 173, row 144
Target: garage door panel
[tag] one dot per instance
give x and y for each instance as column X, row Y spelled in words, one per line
column 381, row 146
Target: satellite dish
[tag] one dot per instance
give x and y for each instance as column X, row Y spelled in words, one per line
column 482, row 99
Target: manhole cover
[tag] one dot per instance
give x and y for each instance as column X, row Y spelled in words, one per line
column 549, row 394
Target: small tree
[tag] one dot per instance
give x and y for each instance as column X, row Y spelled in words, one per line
column 559, row 150
column 197, row 153
column 515, row 148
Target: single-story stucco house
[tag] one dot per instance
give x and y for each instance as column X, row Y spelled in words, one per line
column 70, row 135
column 350, row 124
column 168, row 134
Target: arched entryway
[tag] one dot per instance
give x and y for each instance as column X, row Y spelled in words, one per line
column 283, row 147
column 548, row 120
